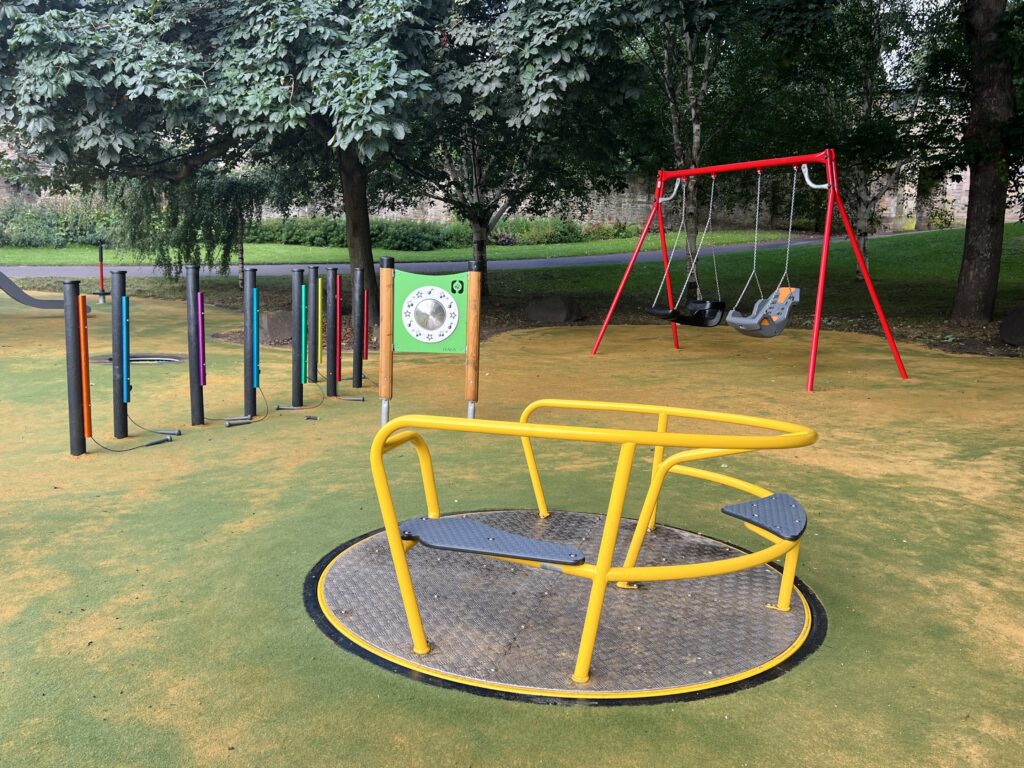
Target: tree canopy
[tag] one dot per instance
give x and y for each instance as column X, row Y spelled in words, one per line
column 494, row 106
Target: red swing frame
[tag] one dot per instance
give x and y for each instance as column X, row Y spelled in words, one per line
column 827, row 158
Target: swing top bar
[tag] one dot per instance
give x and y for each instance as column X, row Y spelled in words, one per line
column 825, row 157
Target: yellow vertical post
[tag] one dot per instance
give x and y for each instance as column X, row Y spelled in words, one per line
column 394, row 536
column 385, row 379
column 659, row 454
column 788, row 577
column 538, row 490
column 604, row 562
column 473, row 340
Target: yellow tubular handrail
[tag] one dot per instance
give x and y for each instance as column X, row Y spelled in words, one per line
column 687, row 448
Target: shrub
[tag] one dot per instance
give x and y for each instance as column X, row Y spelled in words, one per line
column 523, row 231
column 391, row 234
column 54, row 222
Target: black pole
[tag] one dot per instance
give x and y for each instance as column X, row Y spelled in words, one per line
column 332, row 331
column 312, row 322
column 73, row 349
column 195, row 380
column 297, row 321
column 248, row 336
column 117, row 292
column 358, row 318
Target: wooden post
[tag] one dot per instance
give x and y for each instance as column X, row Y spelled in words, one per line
column 473, row 340
column 387, row 336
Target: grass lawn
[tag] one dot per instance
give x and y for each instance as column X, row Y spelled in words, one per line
column 915, row 275
column 152, row 608
column 274, row 253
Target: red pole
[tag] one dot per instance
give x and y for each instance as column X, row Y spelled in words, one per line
column 751, row 165
column 819, row 300
column 665, row 266
column 629, row 268
column 102, row 290
column 864, row 271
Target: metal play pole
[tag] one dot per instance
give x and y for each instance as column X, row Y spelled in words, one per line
column 117, row 342
column 312, row 315
column 473, row 339
column 248, row 339
column 297, row 325
column 103, row 292
column 332, row 332
column 83, row 332
column 73, row 355
column 358, row 321
column 387, row 337
column 193, row 318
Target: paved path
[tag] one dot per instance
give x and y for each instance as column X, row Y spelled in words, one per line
column 422, row 267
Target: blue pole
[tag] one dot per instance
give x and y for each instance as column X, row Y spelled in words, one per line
column 125, row 357
column 256, row 339
column 304, row 315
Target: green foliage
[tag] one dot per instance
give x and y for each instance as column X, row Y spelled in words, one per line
column 201, row 220
column 537, row 231
column 55, row 222
column 405, row 235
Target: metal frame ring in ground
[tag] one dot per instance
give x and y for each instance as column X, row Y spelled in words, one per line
column 502, row 629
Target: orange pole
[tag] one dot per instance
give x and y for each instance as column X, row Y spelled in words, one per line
column 83, row 336
column 473, row 341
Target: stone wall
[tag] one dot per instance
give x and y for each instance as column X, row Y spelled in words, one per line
column 634, row 204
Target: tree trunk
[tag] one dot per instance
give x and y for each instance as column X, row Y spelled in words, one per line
column 357, row 224
column 983, row 244
column 480, row 232
column 992, row 111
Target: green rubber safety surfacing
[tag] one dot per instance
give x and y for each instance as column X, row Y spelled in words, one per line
column 509, row 630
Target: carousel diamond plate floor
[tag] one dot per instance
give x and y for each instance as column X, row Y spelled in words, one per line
column 514, row 628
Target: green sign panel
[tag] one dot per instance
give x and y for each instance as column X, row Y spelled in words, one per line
column 430, row 312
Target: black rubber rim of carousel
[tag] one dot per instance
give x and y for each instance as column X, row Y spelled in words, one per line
column 813, row 641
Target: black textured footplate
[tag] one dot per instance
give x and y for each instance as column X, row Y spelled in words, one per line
column 462, row 535
column 779, row 513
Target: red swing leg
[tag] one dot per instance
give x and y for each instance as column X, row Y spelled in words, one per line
column 629, row 269
column 836, row 199
column 665, row 266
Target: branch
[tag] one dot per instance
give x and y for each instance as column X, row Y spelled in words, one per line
column 189, row 163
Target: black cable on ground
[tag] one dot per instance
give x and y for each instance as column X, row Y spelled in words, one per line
column 165, row 439
column 154, row 431
column 323, row 397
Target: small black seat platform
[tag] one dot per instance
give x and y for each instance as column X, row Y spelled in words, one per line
column 779, row 513
column 460, row 534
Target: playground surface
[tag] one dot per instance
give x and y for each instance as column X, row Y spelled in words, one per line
column 153, row 601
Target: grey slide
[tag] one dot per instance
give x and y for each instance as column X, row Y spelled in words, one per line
column 11, row 289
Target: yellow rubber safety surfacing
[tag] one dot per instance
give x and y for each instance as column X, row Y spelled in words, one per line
column 503, row 629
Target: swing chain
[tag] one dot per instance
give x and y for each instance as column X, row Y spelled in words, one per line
column 757, row 226
column 675, row 244
column 789, row 234
column 693, row 271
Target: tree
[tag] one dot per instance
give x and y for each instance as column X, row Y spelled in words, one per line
column 519, row 114
column 201, row 219
column 113, row 89
column 987, row 139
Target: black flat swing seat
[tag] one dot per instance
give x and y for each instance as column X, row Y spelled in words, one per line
column 701, row 313
column 770, row 315
column 460, row 534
